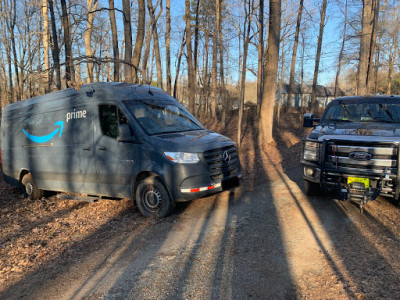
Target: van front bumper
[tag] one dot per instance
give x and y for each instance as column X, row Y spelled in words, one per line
column 194, row 181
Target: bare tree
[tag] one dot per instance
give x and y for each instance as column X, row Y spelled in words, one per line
column 69, row 65
column 156, row 41
column 365, row 44
column 137, row 51
column 260, row 77
column 91, row 8
column 189, row 55
column 126, row 7
column 114, row 35
column 168, row 45
column 214, row 72
column 294, row 55
column 341, row 51
column 54, row 45
column 267, row 105
column 249, row 7
column 314, row 102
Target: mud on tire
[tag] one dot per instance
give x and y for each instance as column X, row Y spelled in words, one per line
column 30, row 188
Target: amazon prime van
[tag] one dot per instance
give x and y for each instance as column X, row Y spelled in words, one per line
column 116, row 140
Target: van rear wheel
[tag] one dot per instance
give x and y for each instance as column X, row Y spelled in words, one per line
column 152, row 198
column 31, row 189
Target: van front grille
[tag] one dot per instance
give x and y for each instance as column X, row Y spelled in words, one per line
column 222, row 162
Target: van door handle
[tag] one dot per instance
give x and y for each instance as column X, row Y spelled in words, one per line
column 103, row 148
column 87, row 148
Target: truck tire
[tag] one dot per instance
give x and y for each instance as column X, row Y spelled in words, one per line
column 152, row 198
column 311, row 188
column 31, row 189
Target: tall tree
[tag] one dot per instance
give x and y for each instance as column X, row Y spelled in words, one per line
column 189, row 54
column 314, row 102
column 126, row 7
column 365, row 44
column 156, row 42
column 54, row 45
column 91, row 9
column 267, row 105
column 46, row 43
column 294, row 55
column 69, row 66
column 214, row 72
column 260, row 77
column 137, row 51
column 341, row 51
column 168, row 45
column 249, row 7
column 114, row 35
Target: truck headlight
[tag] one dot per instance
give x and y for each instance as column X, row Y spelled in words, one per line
column 311, row 151
column 182, row 157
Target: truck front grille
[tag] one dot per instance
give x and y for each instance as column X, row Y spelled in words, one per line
column 370, row 157
column 222, row 162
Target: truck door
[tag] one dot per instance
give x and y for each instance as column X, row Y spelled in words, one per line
column 115, row 161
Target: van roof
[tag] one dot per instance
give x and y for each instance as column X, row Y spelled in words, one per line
column 117, row 90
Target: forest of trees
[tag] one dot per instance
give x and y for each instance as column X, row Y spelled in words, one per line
column 201, row 51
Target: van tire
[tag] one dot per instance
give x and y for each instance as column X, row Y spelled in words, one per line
column 31, row 189
column 152, row 198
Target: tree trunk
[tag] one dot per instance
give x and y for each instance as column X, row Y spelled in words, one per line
column 146, row 54
column 246, row 42
column 214, row 72
column 137, row 51
column 267, row 105
column 114, row 34
column 126, row 7
column 179, row 65
column 67, row 45
column 279, row 104
column 156, row 43
column 260, row 77
column 365, row 43
column 294, row 55
column 46, row 43
column 91, row 7
column 314, row 101
column 341, row 52
column 221, row 67
column 372, row 46
column 168, row 45
column 196, row 44
column 191, row 93
column 54, row 45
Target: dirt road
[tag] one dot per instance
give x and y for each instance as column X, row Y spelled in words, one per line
column 270, row 242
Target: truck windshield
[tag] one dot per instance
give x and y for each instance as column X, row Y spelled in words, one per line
column 158, row 118
column 362, row 111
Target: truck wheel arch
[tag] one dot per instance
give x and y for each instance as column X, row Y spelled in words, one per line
column 142, row 176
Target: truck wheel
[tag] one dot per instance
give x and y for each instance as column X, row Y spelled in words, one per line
column 31, row 189
column 152, row 198
column 311, row 188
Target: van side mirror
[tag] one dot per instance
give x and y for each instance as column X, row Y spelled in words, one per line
column 124, row 134
column 309, row 120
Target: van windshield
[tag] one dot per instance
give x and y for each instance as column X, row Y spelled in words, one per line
column 162, row 117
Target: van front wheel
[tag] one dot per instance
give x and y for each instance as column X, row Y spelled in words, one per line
column 152, row 198
column 31, row 189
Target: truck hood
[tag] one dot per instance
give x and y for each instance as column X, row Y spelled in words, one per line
column 190, row 141
column 357, row 131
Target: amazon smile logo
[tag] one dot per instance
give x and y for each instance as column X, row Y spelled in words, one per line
column 45, row 138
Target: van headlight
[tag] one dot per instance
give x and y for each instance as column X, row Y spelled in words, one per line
column 311, row 151
column 182, row 157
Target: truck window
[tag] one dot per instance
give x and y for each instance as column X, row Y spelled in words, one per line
column 110, row 117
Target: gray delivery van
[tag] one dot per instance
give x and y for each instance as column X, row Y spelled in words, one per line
column 117, row 140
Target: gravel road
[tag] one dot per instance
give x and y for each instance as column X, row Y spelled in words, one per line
column 271, row 242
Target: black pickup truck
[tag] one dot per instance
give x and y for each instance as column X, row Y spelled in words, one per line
column 354, row 148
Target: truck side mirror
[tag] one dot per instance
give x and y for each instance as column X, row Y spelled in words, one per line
column 124, row 134
column 309, row 120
